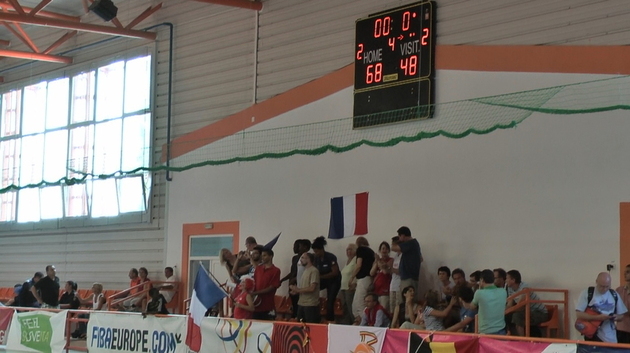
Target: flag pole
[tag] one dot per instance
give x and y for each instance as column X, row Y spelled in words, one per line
column 217, row 281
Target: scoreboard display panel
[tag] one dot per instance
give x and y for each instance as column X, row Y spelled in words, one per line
column 394, row 65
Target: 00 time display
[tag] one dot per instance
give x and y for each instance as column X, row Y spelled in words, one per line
column 394, row 48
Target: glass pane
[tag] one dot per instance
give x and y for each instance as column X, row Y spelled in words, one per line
column 51, row 203
column 57, row 107
column 7, row 206
column 76, row 200
column 104, row 198
column 55, row 155
column 28, row 207
column 32, row 162
column 10, row 151
column 83, row 97
column 109, row 96
column 80, row 156
column 131, row 194
column 138, row 84
column 10, row 161
column 11, row 105
column 34, row 113
column 107, row 147
column 136, row 142
column 209, row 245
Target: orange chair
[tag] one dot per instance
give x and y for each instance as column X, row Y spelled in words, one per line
column 84, row 293
column 338, row 307
column 6, row 294
column 278, row 301
column 554, row 321
column 322, row 306
column 173, row 305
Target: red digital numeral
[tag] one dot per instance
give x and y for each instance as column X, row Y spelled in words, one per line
column 425, row 35
column 387, row 23
column 409, row 65
column 406, row 22
column 413, row 65
column 359, row 57
column 378, row 28
column 392, row 41
column 382, row 26
column 374, row 73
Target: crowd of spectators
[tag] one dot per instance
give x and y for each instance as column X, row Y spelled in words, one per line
column 43, row 291
column 380, row 288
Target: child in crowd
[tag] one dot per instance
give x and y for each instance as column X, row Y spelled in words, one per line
column 157, row 305
column 428, row 313
column 244, row 303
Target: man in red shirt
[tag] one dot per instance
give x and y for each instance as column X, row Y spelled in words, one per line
column 267, row 279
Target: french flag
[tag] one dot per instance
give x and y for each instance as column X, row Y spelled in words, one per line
column 348, row 216
column 206, row 294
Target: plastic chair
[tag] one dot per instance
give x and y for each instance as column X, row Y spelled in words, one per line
column 280, row 309
column 6, row 294
column 322, row 306
column 338, row 307
column 553, row 323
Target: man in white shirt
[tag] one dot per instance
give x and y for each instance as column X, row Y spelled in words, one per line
column 607, row 303
column 168, row 290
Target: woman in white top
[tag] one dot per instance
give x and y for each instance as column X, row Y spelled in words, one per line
column 96, row 299
column 98, row 302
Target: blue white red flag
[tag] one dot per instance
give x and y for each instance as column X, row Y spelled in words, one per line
column 206, row 294
column 348, row 216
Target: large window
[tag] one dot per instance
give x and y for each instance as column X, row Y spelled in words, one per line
column 93, row 123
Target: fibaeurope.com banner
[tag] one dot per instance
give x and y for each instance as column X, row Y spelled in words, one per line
column 37, row 331
column 111, row 332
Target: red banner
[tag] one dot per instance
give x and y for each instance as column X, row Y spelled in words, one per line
column 6, row 314
column 296, row 337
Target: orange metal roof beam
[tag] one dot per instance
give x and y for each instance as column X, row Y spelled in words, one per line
column 117, row 23
column 4, row 4
column 84, row 27
column 26, row 41
column 244, row 4
column 59, row 42
column 146, row 13
column 36, row 56
column 17, row 7
column 39, row 7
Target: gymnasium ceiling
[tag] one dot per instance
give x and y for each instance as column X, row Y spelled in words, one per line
column 469, row 22
column 19, row 17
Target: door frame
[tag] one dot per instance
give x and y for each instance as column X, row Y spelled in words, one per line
column 208, row 228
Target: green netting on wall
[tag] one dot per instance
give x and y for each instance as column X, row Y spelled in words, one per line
column 452, row 120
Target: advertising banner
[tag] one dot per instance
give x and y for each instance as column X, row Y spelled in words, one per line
column 6, row 314
column 37, row 331
column 342, row 338
column 132, row 333
column 230, row 335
